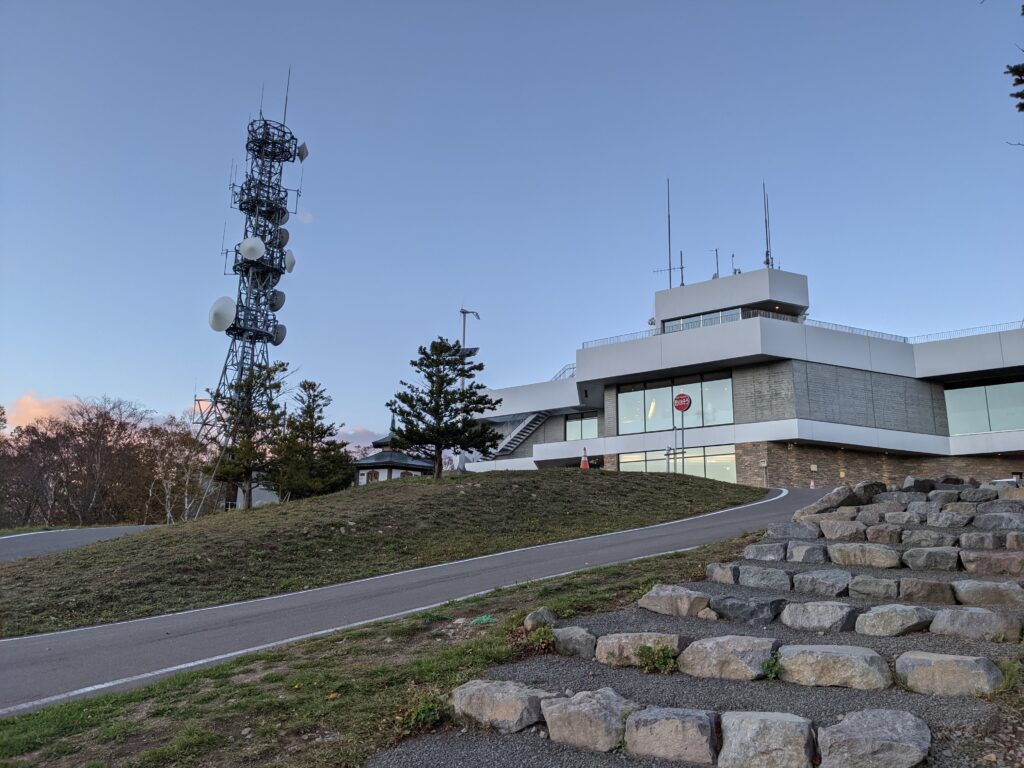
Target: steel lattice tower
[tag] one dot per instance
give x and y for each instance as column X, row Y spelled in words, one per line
column 259, row 260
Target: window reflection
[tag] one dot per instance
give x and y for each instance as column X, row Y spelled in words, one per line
column 651, row 407
column 717, row 462
column 991, row 408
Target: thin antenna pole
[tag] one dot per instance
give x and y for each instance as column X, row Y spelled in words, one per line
column 768, row 261
column 717, row 272
column 287, row 87
column 734, row 263
column 682, row 280
column 668, row 211
column 262, row 86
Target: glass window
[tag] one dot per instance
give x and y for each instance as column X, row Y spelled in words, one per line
column 589, row 427
column 573, row 428
column 658, row 407
column 656, row 461
column 693, row 417
column 1005, row 406
column 720, row 463
column 631, row 409
column 717, row 401
column 581, row 426
column 967, row 410
column 631, row 462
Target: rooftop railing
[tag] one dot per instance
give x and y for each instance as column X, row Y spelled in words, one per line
column 567, row 371
column 728, row 316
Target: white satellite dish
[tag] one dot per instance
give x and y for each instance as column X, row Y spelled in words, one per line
column 252, row 249
column 222, row 313
column 289, row 261
column 280, row 331
column 303, row 152
column 282, row 237
column 276, row 300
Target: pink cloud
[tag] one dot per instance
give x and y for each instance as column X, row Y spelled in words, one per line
column 358, row 436
column 306, row 217
column 30, row 408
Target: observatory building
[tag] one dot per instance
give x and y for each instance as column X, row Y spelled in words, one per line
column 774, row 397
column 389, row 463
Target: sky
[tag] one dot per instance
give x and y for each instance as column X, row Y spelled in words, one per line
column 509, row 157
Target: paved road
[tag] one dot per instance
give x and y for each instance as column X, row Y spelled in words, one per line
column 21, row 545
column 45, row 669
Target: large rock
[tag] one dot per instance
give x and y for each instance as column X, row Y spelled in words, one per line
column 753, row 610
column 917, row 484
column 932, row 558
column 731, row 657
column 875, row 738
column 993, row 563
column 1012, row 494
column 843, row 530
column 884, row 533
column 874, row 588
column 806, row 552
column 673, row 600
column 542, row 617
column 843, row 496
column 926, row 591
column 869, row 517
column 848, row 666
column 954, row 515
column 923, row 508
column 621, row 649
column 1002, row 506
column 981, row 540
column 977, row 624
column 799, row 530
column 906, row 517
column 689, row 735
column 1015, row 540
column 978, row 495
column 765, row 578
column 894, row 620
column 944, row 497
column 722, row 573
column 878, row 511
column 593, row 720
column 970, row 592
column 505, row 706
column 766, row 740
column 939, row 674
column 999, row 521
column 845, row 513
column 866, row 490
column 870, row 555
column 825, row 616
column 831, row 582
column 901, row 497
column 575, row 641
column 774, row 551
column 924, row 537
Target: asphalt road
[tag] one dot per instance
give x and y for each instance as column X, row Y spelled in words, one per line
column 19, row 545
column 44, row 669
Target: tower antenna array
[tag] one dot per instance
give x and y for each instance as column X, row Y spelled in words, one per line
column 769, row 262
column 668, row 211
column 260, row 260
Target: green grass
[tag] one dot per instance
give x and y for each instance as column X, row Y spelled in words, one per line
column 332, row 701
column 362, row 532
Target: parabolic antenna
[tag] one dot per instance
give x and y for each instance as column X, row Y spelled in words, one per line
column 281, row 216
column 289, row 261
column 252, row 249
column 280, row 331
column 276, row 300
column 222, row 313
column 303, row 152
column 282, row 237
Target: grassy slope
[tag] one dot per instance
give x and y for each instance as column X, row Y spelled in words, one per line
column 357, row 533
column 327, row 702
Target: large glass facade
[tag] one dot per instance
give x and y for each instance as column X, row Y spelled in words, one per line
column 717, row 462
column 650, row 407
column 991, row 408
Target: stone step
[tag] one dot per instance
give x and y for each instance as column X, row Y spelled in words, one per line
column 899, row 537
column 603, row 720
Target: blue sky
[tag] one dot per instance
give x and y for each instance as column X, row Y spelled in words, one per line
column 511, row 156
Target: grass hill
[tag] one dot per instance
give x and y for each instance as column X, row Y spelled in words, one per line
column 360, row 532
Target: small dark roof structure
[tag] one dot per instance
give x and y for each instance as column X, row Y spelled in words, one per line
column 390, row 458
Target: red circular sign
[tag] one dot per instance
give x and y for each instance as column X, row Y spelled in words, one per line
column 682, row 401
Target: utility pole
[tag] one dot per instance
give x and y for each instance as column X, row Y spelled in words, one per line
column 465, row 313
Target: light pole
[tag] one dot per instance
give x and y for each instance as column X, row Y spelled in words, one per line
column 465, row 313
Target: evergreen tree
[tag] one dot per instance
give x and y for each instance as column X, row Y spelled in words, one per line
column 1016, row 71
column 308, row 461
column 441, row 413
column 258, row 420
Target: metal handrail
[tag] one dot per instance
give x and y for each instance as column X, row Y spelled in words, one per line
column 567, row 371
column 858, row 331
column 963, row 332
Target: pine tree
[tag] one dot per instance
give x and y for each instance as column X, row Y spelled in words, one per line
column 441, row 413
column 1016, row 71
column 257, row 422
column 308, row 462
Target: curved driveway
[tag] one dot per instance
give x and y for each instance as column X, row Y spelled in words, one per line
column 19, row 545
column 44, row 669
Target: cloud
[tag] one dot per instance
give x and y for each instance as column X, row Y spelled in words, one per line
column 358, row 436
column 305, row 217
column 30, row 408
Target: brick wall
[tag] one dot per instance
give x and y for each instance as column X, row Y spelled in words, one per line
column 791, row 466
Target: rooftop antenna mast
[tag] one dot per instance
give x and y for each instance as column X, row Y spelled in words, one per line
column 668, row 211
column 682, row 280
column 716, row 263
column 769, row 262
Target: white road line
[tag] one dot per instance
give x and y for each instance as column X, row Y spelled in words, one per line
column 69, row 530
column 783, row 492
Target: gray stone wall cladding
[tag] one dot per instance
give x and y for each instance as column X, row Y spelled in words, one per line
column 763, row 393
column 867, row 399
column 611, row 410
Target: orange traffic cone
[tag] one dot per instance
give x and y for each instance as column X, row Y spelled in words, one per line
column 584, row 462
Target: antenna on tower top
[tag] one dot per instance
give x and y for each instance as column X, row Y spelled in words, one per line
column 287, row 87
column 769, row 262
column 668, row 211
